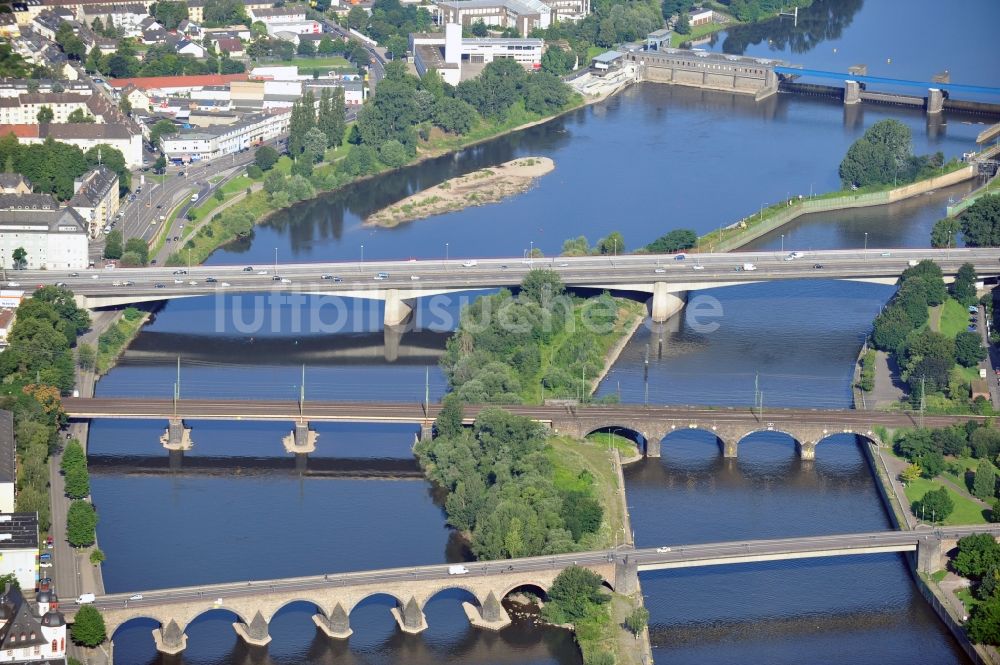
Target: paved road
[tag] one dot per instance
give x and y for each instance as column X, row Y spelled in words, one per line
column 645, row 558
column 403, row 412
column 635, row 271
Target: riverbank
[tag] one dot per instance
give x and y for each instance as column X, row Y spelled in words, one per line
column 612, row 355
column 771, row 218
column 258, row 207
column 111, row 344
column 478, row 188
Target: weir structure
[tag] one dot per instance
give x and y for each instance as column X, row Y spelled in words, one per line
column 255, row 603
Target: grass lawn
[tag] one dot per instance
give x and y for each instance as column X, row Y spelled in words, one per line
column 626, row 447
column 966, row 511
column 965, row 595
column 326, row 63
column 939, row 575
column 954, row 318
column 697, row 32
column 571, row 457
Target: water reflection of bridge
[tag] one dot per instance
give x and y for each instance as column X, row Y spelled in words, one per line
column 299, row 465
column 417, row 347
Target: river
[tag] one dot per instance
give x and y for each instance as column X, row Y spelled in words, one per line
column 649, row 160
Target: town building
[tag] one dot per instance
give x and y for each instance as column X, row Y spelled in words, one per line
column 32, row 634
column 456, row 59
column 8, row 470
column 219, row 140
column 701, row 17
column 23, row 110
column 53, row 239
column 14, row 183
column 28, row 202
column 10, row 300
column 19, row 550
column 126, row 17
column 95, row 198
column 522, row 15
column 9, row 29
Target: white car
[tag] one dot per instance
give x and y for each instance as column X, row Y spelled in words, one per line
column 225, row 284
column 415, row 277
column 660, row 271
column 662, row 549
column 285, row 280
column 261, row 272
column 95, row 276
column 178, row 281
column 193, row 283
column 698, row 266
column 13, row 284
column 135, row 596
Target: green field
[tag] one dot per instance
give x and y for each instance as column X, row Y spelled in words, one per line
column 326, row 63
column 966, row 511
column 954, row 317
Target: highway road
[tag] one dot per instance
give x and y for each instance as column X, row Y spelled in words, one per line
column 648, row 557
column 411, row 412
column 635, row 271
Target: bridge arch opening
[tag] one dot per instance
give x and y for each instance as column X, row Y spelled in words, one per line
column 135, row 636
column 691, row 444
column 214, row 617
column 767, row 444
column 525, row 593
column 613, row 435
column 297, row 611
column 372, row 620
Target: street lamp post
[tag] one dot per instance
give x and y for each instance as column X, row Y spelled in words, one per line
column 866, row 245
column 446, row 256
column 362, row 256
column 782, row 243
column 275, row 260
column 531, row 254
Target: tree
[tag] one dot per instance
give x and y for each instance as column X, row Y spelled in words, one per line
column 113, row 245
column 266, row 157
column 97, row 556
column 977, row 555
column 357, row 18
column 81, row 524
column 673, row 241
column 545, row 93
column 880, row 157
column 945, row 233
column 981, row 222
column 984, row 624
column 612, row 244
column 964, row 287
column 574, row 593
column 542, row 285
column 637, row 619
column 77, row 482
column 683, row 26
column 453, row 115
column 314, row 144
column 984, row 485
column 360, row 161
column 139, row 247
column 306, row 48
column 392, row 153
column 219, row 13
column 479, row 29
column 79, row 116
column 325, row 46
column 910, row 473
column 169, row 13
column 160, row 129
column 331, row 117
column 449, row 421
column 85, row 356
column 160, row 165
column 496, row 88
column 73, row 456
column 303, row 119
column 934, row 506
column 88, row 627
column 20, row 257
column 45, row 115
column 397, row 46
column 557, row 61
column 969, row 350
column 582, row 514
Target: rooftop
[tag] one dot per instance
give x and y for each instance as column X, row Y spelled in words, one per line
column 28, row 202
column 192, row 81
column 44, row 221
column 85, row 131
column 18, row 531
column 607, row 56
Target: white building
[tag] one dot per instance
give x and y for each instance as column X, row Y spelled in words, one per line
column 23, row 109
column 19, row 548
column 95, row 198
column 127, row 17
column 8, row 470
column 31, row 634
column 457, row 59
column 523, row 15
column 53, row 239
column 216, row 141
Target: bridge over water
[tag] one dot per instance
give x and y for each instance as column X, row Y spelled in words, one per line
column 808, row 427
column 334, row 596
column 662, row 279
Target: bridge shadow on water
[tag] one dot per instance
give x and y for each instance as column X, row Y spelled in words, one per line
column 319, row 467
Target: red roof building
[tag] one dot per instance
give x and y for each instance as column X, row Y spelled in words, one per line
column 193, row 81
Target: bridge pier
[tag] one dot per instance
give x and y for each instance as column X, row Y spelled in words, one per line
column 666, row 304
column 177, row 437
column 491, row 616
column 626, row 575
column 254, row 634
column 170, row 640
column 396, row 308
column 852, row 92
column 337, row 625
column 392, row 336
column 935, row 101
column 930, row 554
column 301, row 440
column 729, row 447
column 410, row 617
column 806, row 449
column 653, row 445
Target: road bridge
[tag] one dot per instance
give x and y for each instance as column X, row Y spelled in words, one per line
column 662, row 279
column 651, row 424
column 334, row 596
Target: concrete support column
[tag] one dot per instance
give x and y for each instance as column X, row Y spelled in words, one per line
column 852, row 92
column 255, row 633
column 177, row 437
column 653, row 443
column 930, row 555
column 396, row 309
column 392, row 336
column 410, row 618
column 626, row 575
column 337, row 625
column 491, row 615
column 301, row 441
column 170, row 640
column 666, row 304
column 935, row 101
column 807, row 449
column 728, row 447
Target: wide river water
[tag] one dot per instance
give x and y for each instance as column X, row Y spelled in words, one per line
column 649, row 160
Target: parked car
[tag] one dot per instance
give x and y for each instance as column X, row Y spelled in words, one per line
column 248, row 269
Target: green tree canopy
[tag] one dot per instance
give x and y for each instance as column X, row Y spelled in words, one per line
column 935, row 506
column 674, row 241
column 574, row 593
column 984, row 484
column 981, row 222
column 81, row 524
column 88, row 627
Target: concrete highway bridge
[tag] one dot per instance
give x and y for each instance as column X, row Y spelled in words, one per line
column 334, row 596
column 808, row 427
column 662, row 279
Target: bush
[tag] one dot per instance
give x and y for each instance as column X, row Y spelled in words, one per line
column 255, row 172
column 97, row 556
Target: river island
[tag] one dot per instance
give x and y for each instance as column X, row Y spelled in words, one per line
column 490, row 185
